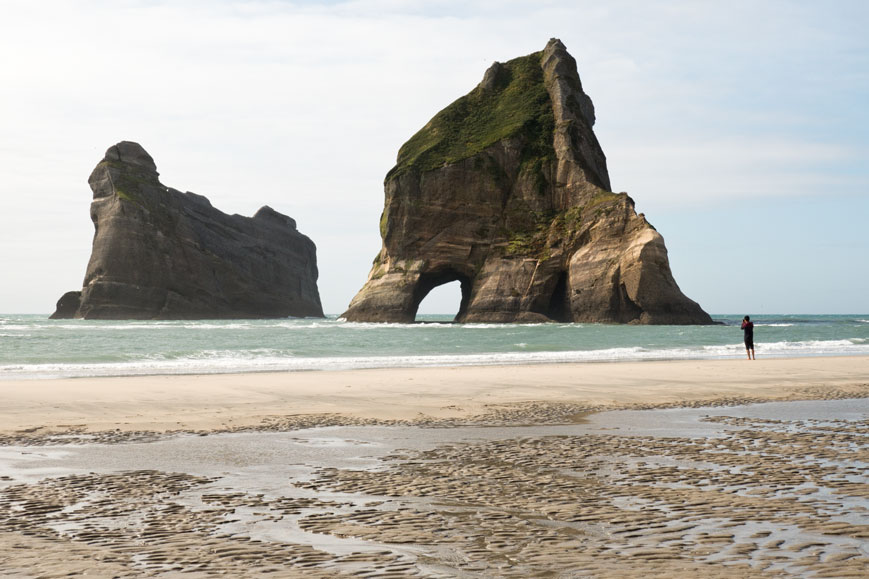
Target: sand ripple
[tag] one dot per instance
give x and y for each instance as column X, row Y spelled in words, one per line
column 773, row 498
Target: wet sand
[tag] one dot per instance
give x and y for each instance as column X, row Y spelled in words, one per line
column 469, row 472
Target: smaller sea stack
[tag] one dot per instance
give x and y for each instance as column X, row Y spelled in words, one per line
column 162, row 254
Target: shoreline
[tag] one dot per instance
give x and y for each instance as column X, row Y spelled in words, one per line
column 448, row 364
column 533, row 393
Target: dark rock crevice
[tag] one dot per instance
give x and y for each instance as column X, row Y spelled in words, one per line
column 558, row 308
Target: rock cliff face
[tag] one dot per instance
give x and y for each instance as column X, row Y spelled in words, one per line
column 507, row 191
column 162, row 254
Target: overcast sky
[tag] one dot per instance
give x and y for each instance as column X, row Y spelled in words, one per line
column 740, row 128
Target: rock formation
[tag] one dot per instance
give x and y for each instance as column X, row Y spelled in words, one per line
column 507, row 191
column 162, row 254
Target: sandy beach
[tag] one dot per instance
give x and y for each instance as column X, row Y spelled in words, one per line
column 191, row 476
column 226, row 402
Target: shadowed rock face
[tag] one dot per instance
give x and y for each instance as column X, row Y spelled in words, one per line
column 507, row 191
column 162, row 254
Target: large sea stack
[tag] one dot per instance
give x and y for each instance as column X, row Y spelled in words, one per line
column 507, row 191
column 162, row 254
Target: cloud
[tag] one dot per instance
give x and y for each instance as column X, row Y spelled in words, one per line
column 699, row 171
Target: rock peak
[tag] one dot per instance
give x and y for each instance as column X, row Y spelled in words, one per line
column 561, row 69
column 491, row 76
column 269, row 215
column 555, row 44
column 131, row 153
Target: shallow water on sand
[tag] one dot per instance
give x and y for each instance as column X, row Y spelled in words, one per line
column 690, row 421
column 276, row 455
column 388, row 494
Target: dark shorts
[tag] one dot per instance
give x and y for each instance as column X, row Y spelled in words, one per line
column 749, row 344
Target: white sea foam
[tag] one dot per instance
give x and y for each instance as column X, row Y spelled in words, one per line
column 8, row 328
column 149, row 325
column 435, row 324
column 357, row 326
column 271, row 360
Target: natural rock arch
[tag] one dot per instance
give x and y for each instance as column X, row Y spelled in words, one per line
column 507, row 189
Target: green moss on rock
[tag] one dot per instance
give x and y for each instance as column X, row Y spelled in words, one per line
column 383, row 224
column 515, row 103
column 128, row 183
column 124, row 196
column 538, row 235
column 531, row 239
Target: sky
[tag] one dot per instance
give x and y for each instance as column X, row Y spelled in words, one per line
column 740, row 128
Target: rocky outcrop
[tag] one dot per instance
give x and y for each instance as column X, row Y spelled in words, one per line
column 162, row 254
column 507, row 191
column 67, row 305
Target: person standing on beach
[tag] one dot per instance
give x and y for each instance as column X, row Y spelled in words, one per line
column 748, row 329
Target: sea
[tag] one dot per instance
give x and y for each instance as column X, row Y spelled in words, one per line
column 34, row 347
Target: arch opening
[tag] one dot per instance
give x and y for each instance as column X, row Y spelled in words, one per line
column 442, row 300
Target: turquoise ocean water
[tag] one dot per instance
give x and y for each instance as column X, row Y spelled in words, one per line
column 33, row 346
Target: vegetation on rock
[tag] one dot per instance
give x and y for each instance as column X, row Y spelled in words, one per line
column 515, row 104
column 542, row 231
